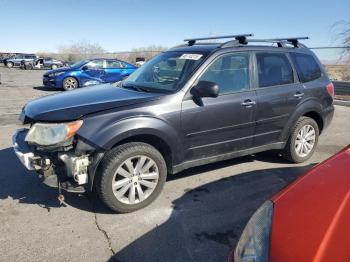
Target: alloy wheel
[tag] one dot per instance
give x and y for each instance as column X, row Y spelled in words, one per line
column 70, row 83
column 135, row 179
column 305, row 141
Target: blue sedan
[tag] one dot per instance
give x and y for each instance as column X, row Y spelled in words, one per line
column 88, row 72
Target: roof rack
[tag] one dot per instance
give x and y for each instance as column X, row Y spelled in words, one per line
column 241, row 38
column 281, row 42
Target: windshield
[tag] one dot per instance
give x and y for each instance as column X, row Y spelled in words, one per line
column 79, row 63
column 167, row 72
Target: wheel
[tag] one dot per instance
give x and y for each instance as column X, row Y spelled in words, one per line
column 53, row 66
column 302, row 141
column 70, row 83
column 9, row 64
column 131, row 176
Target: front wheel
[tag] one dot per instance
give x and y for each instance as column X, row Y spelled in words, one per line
column 70, row 83
column 9, row 64
column 53, row 66
column 131, row 176
column 302, row 141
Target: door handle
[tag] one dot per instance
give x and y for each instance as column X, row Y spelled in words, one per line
column 248, row 103
column 298, row 95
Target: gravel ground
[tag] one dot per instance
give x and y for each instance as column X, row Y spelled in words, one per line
column 198, row 217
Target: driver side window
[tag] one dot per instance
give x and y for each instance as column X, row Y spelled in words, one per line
column 230, row 72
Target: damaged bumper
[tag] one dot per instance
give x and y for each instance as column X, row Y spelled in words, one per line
column 58, row 168
column 22, row 149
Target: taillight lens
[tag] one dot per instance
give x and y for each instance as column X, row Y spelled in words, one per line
column 330, row 89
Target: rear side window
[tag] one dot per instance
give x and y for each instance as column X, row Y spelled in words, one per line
column 274, row 69
column 306, row 66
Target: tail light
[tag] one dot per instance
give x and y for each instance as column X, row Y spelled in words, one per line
column 330, row 89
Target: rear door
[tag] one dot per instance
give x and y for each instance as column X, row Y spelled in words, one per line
column 278, row 93
column 215, row 126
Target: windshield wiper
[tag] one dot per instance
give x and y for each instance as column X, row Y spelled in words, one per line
column 136, row 88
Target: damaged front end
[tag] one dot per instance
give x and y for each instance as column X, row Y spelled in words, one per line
column 60, row 158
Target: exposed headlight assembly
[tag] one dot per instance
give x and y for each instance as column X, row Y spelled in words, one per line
column 254, row 244
column 51, row 134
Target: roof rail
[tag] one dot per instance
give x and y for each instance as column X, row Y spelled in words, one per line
column 241, row 38
column 281, row 42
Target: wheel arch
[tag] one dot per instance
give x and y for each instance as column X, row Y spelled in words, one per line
column 310, row 109
column 150, row 130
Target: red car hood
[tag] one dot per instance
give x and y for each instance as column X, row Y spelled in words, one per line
column 311, row 220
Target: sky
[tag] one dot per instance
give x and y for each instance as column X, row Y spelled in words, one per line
column 120, row 25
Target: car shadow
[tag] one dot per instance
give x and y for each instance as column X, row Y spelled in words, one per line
column 26, row 187
column 45, row 88
column 204, row 224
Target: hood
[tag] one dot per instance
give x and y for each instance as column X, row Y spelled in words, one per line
column 311, row 216
column 57, row 70
column 72, row 105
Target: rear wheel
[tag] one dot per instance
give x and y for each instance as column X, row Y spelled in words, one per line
column 70, row 83
column 9, row 64
column 53, row 66
column 302, row 141
column 131, row 176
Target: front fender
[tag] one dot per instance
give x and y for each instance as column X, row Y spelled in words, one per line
column 112, row 133
column 306, row 106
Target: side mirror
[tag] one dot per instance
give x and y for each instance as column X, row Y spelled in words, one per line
column 205, row 89
column 84, row 68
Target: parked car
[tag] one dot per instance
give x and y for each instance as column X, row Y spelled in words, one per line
column 140, row 61
column 18, row 59
column 307, row 221
column 191, row 105
column 43, row 63
column 88, row 72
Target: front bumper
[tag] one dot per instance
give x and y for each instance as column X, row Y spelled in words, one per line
column 56, row 167
column 49, row 82
column 22, row 149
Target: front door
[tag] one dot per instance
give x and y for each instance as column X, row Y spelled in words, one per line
column 92, row 72
column 216, row 126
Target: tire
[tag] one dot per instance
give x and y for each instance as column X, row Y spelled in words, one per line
column 53, row 66
column 70, row 83
column 9, row 64
column 304, row 134
column 108, row 175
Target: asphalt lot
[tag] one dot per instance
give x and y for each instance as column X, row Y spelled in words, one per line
column 198, row 217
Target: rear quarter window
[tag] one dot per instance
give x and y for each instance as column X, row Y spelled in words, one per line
column 307, row 67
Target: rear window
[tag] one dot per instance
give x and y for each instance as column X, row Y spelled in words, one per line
column 274, row 69
column 306, row 66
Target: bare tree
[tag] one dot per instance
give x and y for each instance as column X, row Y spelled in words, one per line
column 80, row 50
column 342, row 29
